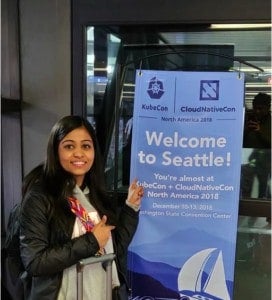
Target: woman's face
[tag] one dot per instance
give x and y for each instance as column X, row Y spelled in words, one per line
column 76, row 153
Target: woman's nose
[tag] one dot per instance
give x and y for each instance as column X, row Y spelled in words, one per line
column 78, row 153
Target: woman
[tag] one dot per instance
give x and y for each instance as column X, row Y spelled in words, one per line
column 55, row 235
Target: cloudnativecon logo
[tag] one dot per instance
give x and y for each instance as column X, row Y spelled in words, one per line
column 209, row 90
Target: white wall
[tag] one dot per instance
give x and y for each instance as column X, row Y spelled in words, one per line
column 46, row 72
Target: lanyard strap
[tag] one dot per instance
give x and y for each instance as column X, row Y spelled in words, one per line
column 81, row 213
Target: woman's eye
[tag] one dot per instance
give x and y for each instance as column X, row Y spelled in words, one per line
column 86, row 146
column 68, row 147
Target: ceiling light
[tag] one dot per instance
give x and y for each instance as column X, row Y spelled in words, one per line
column 240, row 26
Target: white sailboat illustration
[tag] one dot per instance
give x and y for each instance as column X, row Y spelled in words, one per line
column 190, row 281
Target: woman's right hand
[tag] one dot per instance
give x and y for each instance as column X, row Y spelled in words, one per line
column 135, row 193
column 102, row 232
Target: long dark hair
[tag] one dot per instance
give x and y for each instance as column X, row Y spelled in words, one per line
column 59, row 184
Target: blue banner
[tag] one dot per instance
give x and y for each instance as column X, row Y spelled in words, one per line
column 186, row 153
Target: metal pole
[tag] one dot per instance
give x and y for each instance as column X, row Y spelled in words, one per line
column 79, row 268
column 109, row 280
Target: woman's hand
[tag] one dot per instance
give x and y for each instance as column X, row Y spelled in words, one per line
column 135, row 194
column 102, row 232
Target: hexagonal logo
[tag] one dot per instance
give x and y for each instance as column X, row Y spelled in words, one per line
column 155, row 88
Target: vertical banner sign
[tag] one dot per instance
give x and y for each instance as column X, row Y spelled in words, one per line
column 186, row 153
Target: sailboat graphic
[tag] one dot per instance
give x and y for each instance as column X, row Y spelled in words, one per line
column 190, row 279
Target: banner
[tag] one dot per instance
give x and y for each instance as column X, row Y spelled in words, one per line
column 186, row 153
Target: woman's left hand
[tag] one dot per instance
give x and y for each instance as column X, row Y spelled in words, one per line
column 135, row 193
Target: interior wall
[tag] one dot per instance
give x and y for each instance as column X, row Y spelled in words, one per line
column 11, row 171
column 45, row 47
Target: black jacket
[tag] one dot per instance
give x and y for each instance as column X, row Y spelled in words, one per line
column 45, row 257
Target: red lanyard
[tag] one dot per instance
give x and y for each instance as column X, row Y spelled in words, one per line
column 81, row 213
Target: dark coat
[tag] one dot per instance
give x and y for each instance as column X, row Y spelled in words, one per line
column 45, row 255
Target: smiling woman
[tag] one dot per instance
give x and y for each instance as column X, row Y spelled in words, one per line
column 76, row 153
column 66, row 216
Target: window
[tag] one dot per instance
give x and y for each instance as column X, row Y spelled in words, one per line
column 113, row 55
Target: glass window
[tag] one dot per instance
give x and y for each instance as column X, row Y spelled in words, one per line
column 113, row 55
column 253, row 259
column 102, row 50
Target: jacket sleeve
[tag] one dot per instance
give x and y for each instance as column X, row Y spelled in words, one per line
column 39, row 257
column 123, row 235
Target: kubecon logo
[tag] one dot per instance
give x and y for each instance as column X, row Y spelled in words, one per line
column 155, row 88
